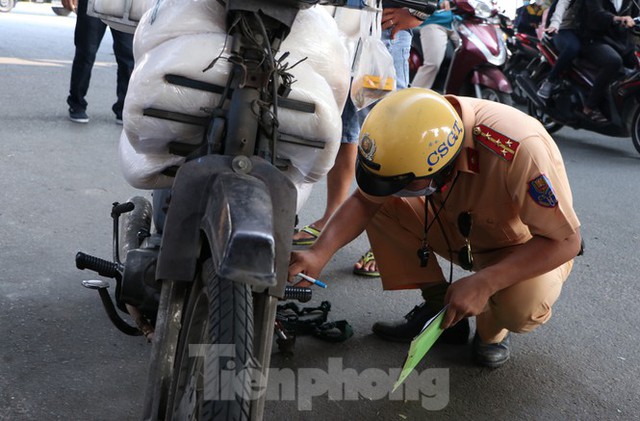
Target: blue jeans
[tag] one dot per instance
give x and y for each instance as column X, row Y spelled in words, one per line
column 568, row 44
column 399, row 48
column 88, row 35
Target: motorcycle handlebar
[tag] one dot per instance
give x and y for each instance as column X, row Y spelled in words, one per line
column 425, row 6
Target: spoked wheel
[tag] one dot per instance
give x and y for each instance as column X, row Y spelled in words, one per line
column 549, row 124
column 496, row 96
column 214, row 365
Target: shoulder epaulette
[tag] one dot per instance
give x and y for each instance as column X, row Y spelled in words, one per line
column 497, row 142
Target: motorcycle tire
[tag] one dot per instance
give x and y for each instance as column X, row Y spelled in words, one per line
column 217, row 323
column 495, row 95
column 7, row 5
column 550, row 125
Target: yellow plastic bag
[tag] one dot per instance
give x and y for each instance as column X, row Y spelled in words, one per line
column 375, row 74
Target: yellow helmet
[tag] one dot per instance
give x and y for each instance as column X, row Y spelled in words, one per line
column 409, row 134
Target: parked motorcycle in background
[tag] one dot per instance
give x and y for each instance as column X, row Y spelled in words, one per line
column 621, row 104
column 472, row 67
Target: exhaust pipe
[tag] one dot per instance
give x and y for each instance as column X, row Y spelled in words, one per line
column 529, row 88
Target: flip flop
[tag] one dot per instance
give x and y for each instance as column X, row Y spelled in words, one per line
column 366, row 258
column 313, row 232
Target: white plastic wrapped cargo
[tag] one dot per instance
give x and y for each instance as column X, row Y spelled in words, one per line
column 187, row 56
column 122, row 15
column 144, row 170
column 168, row 19
column 316, row 36
column 322, row 79
column 312, row 36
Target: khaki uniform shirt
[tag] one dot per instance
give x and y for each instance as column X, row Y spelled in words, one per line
column 511, row 179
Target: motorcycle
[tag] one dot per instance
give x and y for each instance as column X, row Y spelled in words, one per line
column 621, row 105
column 522, row 50
column 205, row 289
column 473, row 66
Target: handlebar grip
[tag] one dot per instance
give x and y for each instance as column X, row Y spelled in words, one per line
column 301, row 294
column 96, row 264
column 120, row 208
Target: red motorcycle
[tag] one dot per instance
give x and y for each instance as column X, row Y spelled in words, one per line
column 621, row 105
column 474, row 66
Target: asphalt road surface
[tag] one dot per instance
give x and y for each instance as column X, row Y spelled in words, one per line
column 61, row 359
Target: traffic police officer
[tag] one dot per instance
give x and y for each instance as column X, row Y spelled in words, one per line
column 472, row 181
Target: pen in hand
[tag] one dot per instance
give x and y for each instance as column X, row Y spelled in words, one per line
column 312, row 280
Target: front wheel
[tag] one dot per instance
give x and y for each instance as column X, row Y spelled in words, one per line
column 496, row 96
column 550, row 125
column 214, row 366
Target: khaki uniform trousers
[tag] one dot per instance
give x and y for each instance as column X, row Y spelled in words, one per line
column 396, row 233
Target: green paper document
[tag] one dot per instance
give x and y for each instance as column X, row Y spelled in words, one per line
column 420, row 345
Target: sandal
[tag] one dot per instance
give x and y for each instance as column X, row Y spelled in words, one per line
column 312, row 231
column 366, row 258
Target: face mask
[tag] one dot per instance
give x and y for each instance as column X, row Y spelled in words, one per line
column 427, row 191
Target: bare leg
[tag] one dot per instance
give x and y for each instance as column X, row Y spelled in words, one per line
column 339, row 181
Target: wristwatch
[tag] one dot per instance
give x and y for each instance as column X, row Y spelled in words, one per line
column 418, row 14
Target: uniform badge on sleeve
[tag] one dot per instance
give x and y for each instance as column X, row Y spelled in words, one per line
column 542, row 193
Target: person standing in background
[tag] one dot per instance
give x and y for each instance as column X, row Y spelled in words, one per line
column 397, row 24
column 434, row 38
column 88, row 35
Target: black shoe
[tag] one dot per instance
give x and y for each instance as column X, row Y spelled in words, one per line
column 491, row 355
column 546, row 89
column 78, row 116
column 630, row 73
column 407, row 329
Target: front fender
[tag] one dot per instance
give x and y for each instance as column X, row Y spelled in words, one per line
column 246, row 220
column 492, row 77
column 238, row 224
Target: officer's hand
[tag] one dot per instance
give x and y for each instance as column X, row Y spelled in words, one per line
column 398, row 19
column 551, row 30
column 305, row 262
column 466, row 297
